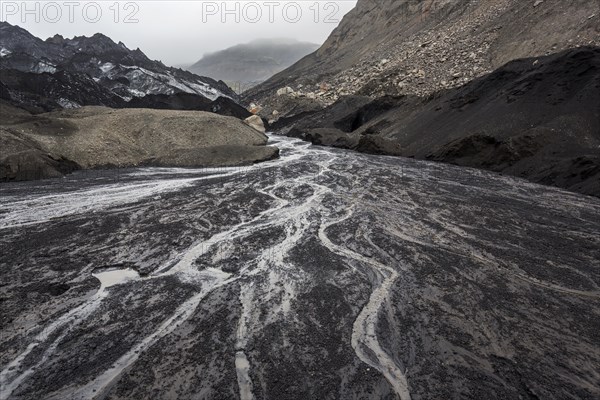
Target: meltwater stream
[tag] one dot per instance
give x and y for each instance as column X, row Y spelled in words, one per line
column 324, row 274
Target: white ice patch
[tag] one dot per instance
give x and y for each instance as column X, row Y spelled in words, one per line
column 139, row 70
column 126, row 98
column 142, row 78
column 136, row 93
column 206, row 90
column 4, row 52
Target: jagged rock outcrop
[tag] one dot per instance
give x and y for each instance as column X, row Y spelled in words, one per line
column 113, row 73
column 41, row 92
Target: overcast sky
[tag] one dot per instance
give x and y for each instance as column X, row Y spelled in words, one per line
column 179, row 32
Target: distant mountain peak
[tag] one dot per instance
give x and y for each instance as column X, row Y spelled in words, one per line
column 254, row 61
column 56, row 39
column 100, row 35
column 99, row 61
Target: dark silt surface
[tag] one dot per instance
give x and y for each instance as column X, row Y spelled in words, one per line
column 325, row 274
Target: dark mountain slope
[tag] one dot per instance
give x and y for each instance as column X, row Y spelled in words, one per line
column 188, row 101
column 537, row 118
column 122, row 72
column 40, row 92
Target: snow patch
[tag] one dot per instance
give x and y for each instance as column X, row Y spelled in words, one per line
column 66, row 103
column 151, row 82
column 42, row 67
column 136, row 93
column 4, row 52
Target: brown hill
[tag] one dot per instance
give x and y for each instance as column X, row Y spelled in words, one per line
column 51, row 144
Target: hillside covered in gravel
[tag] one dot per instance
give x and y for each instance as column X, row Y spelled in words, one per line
column 48, row 145
column 504, row 85
column 391, row 47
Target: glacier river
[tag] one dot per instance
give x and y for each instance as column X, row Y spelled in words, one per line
column 325, row 274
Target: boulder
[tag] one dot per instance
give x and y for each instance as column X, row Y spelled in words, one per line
column 374, row 144
column 22, row 159
column 254, row 108
column 284, row 91
column 256, row 122
column 34, row 164
column 326, row 137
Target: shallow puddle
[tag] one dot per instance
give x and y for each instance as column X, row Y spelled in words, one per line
column 242, row 366
column 116, row 276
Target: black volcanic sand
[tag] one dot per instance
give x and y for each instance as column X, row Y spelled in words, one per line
column 536, row 118
column 325, row 274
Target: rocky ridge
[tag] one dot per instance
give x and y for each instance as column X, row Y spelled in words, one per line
column 536, row 118
column 420, row 47
column 116, row 73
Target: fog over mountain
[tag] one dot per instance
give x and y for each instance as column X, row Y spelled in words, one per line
column 180, row 32
column 252, row 62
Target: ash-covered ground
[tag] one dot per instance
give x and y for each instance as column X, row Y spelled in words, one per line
column 325, row 274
